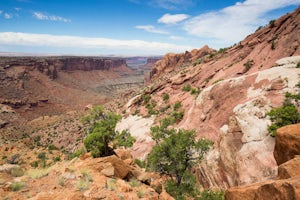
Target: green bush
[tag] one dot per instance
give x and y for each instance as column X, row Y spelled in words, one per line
column 17, row 172
column 195, row 91
column 187, row 88
column 166, row 97
column 101, row 132
column 146, row 98
column 285, row 115
column 272, row 23
column 77, row 153
column 177, row 105
column 140, row 163
column 298, row 65
column 248, row 65
column 17, row 186
column 212, row 195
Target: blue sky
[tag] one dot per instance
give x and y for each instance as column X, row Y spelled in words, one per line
column 131, row 27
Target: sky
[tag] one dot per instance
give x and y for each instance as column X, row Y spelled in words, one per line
column 131, row 27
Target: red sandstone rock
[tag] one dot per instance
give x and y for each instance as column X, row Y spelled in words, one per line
column 287, row 143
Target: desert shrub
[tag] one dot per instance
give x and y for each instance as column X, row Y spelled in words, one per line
column 17, row 186
column 17, row 172
column 134, row 183
column 101, row 132
column 187, row 88
column 298, row 65
column 248, row 65
column 178, row 115
column 177, row 105
column 52, row 147
column 217, row 81
column 43, row 157
column 77, row 153
column 197, row 62
column 174, row 153
column 82, row 184
column 111, row 184
column 34, row 164
column 272, row 23
column 195, row 91
column 61, row 181
column 165, row 97
column 140, row 193
column 56, row 159
column 140, row 163
column 86, row 175
column 146, row 98
column 212, row 195
column 37, row 173
column 284, row 115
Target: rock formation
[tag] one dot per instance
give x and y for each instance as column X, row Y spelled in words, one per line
column 286, row 186
column 238, row 86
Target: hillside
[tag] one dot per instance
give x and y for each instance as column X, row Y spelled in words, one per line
column 225, row 96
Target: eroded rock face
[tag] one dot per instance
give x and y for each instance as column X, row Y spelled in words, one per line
column 233, row 114
column 287, row 143
column 287, row 184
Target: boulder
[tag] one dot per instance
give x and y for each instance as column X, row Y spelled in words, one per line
column 108, row 166
column 286, row 189
column 289, row 169
column 287, row 143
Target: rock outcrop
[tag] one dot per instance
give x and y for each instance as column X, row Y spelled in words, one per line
column 287, row 184
column 287, row 143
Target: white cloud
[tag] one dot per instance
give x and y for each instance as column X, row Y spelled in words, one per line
column 172, row 19
column 42, row 16
column 64, row 41
column 173, row 37
column 172, row 4
column 1, row 12
column 7, row 16
column 151, row 29
column 17, row 9
column 233, row 23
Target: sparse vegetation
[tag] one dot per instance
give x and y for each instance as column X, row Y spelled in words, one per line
column 111, row 184
column 248, row 65
column 177, row 105
column 61, row 181
column 286, row 114
column 217, row 81
column 298, row 65
column 187, row 88
column 195, row 91
column 134, row 183
column 166, row 97
column 197, row 62
column 212, row 195
column 37, row 173
column 140, row 163
column 272, row 23
column 82, row 184
column 17, row 186
column 17, row 172
column 140, row 193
